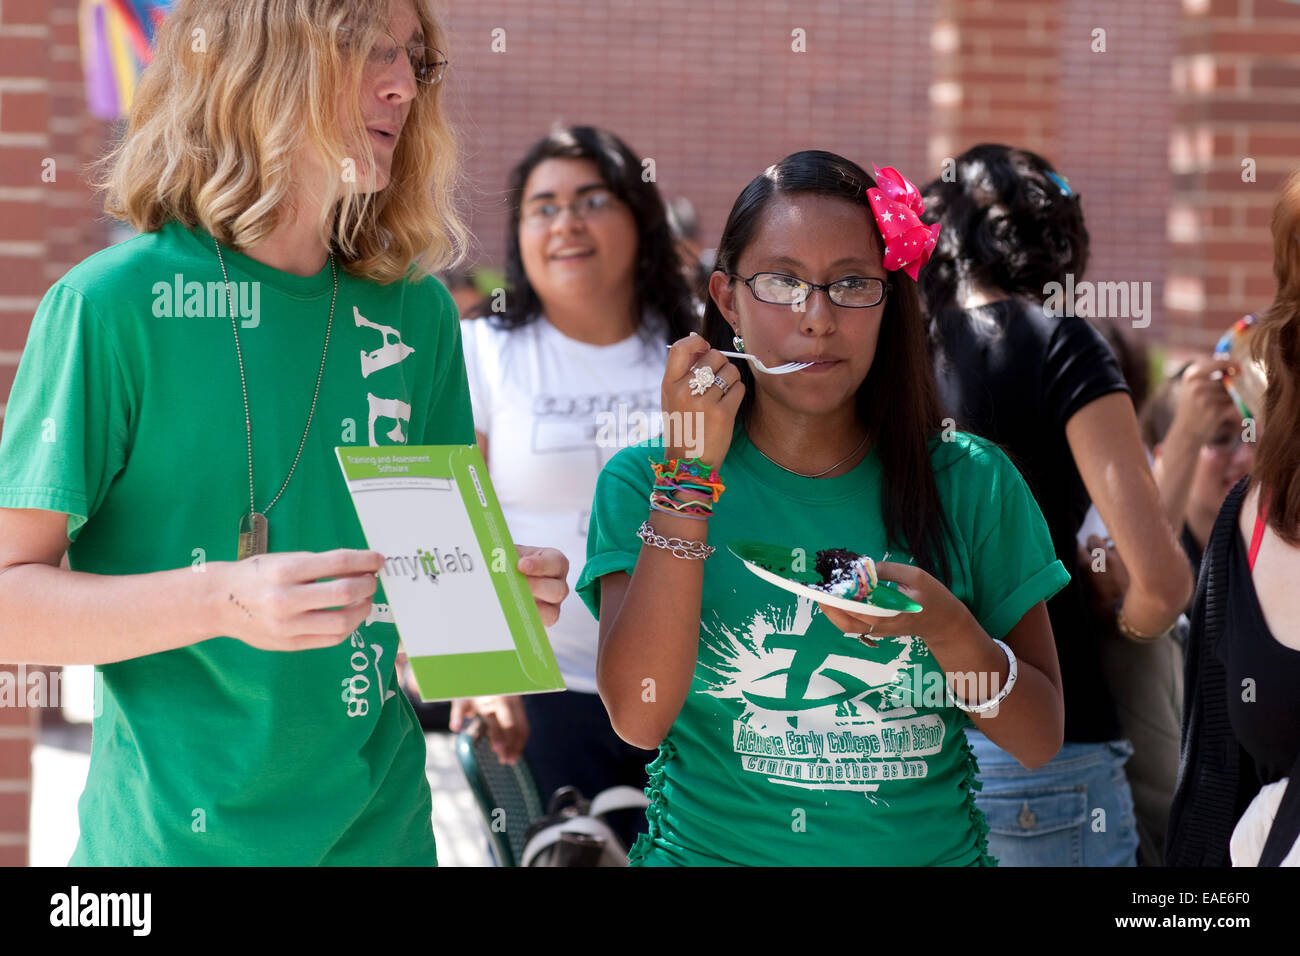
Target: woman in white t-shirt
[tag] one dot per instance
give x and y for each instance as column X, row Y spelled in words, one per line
column 561, row 379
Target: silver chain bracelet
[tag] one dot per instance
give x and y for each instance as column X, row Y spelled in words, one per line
column 695, row 550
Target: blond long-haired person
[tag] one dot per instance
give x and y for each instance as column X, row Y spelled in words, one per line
column 250, row 710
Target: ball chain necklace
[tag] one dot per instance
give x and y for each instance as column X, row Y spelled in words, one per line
column 820, row 473
column 254, row 531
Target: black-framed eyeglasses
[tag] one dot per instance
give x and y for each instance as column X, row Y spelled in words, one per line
column 851, row 292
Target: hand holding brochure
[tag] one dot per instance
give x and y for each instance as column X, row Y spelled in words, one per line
column 464, row 612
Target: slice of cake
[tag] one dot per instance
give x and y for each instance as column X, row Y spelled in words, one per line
column 846, row 574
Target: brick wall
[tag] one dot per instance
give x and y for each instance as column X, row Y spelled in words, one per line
column 1033, row 73
column 713, row 92
column 1236, row 82
column 45, row 228
column 24, row 141
column 996, row 75
column 18, row 728
column 1115, row 115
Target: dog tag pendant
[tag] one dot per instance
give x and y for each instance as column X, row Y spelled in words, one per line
column 253, row 534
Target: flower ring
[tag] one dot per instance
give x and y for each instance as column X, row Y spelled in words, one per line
column 701, row 380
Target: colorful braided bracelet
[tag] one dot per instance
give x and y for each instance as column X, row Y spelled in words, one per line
column 676, row 476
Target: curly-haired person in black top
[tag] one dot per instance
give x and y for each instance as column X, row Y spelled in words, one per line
column 1046, row 387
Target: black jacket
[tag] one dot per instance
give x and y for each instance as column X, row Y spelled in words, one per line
column 1216, row 777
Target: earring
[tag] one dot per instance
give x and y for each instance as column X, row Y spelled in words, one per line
column 738, row 342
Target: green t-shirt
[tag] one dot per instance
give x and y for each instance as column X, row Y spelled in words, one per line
column 798, row 745
column 127, row 415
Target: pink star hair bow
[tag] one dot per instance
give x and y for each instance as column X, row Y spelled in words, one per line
column 897, row 206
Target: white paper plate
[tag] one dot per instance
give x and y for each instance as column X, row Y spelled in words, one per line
column 748, row 551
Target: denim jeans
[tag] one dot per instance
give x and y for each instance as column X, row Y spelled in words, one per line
column 1076, row 810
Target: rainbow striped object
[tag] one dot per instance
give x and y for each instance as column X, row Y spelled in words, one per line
column 1247, row 388
column 116, row 45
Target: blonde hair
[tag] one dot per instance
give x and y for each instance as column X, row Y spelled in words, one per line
column 237, row 88
column 1276, row 343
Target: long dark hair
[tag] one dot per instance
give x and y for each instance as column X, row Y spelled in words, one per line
column 660, row 286
column 1010, row 222
column 898, row 401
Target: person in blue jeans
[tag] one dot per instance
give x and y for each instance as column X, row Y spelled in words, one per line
column 1017, row 365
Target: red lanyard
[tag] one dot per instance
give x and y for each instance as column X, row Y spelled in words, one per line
column 1261, row 516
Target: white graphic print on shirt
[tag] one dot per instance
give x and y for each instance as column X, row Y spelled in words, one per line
column 599, row 424
column 592, row 422
column 819, row 710
column 366, row 655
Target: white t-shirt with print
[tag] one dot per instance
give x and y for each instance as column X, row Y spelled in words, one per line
column 554, row 410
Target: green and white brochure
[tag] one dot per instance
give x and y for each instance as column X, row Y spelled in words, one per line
column 464, row 612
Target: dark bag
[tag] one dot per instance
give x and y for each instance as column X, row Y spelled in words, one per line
column 574, row 833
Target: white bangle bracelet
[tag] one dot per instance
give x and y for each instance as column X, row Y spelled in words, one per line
column 999, row 697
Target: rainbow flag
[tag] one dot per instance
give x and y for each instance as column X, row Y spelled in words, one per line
column 116, row 45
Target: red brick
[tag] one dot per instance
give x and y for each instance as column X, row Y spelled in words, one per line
column 15, row 812
column 26, row 227
column 13, row 855
column 1013, row 45
column 1226, row 76
column 25, row 12
column 21, row 717
column 13, row 329
column 1236, row 251
column 1216, row 9
column 24, row 56
column 1261, row 218
column 1274, row 142
column 6, row 383
column 1262, row 42
column 1000, row 23
column 1260, row 287
column 1014, row 72
column 15, row 757
column 1279, row 12
column 1215, row 284
column 14, row 211
column 24, row 112
column 1013, row 102
column 1254, row 109
column 18, row 276
column 21, row 166
column 1276, row 76
column 64, row 71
